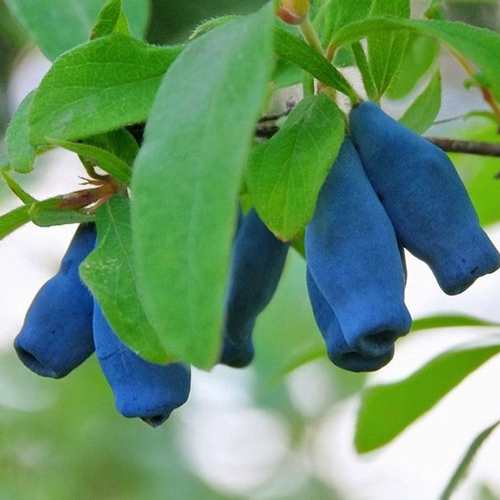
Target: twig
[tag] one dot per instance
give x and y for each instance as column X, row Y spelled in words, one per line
column 466, row 147
column 448, row 145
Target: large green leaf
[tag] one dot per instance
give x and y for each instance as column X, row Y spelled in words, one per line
column 100, row 86
column 424, row 110
column 187, row 178
column 21, row 153
column 387, row 410
column 466, row 462
column 285, row 174
column 386, row 50
column 59, row 25
column 480, row 45
column 109, row 272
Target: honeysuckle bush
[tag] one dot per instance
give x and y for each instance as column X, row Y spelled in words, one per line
column 178, row 146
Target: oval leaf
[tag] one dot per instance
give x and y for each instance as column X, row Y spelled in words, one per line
column 187, row 178
column 285, row 174
column 424, row 110
column 100, row 86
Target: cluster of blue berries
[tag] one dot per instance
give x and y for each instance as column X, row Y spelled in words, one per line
column 389, row 189
column 65, row 325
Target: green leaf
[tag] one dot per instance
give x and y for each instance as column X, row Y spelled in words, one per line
column 102, row 158
column 286, row 74
column 100, row 86
column 48, row 213
column 120, row 143
column 387, row 410
column 60, row 25
column 365, row 70
column 13, row 220
column 294, row 50
column 478, row 171
column 386, row 50
column 425, row 109
column 448, row 321
column 466, row 462
column 21, row 153
column 17, row 190
column 343, row 12
column 420, row 55
column 110, row 274
column 187, row 178
column 211, row 24
column 285, row 174
column 111, row 20
column 482, row 46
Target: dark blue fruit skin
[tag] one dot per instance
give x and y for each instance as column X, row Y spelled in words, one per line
column 141, row 389
column 57, row 333
column 353, row 256
column 424, row 198
column 257, row 263
column 339, row 352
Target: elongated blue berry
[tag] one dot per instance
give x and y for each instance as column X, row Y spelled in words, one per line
column 257, row 263
column 353, row 256
column 339, row 352
column 425, row 199
column 57, row 333
column 141, row 389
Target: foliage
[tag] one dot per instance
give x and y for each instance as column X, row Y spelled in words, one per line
column 173, row 129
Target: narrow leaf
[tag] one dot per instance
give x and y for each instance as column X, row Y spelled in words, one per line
column 110, row 274
column 100, row 157
column 285, row 174
column 100, row 86
column 420, row 55
column 21, row 153
column 47, row 214
column 448, row 321
column 17, row 190
column 365, row 70
column 187, row 178
column 13, row 220
column 386, row 50
column 425, row 109
column 293, row 49
column 387, row 410
column 60, row 25
column 464, row 466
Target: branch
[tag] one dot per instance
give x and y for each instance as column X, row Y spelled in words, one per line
column 448, row 145
column 466, row 147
